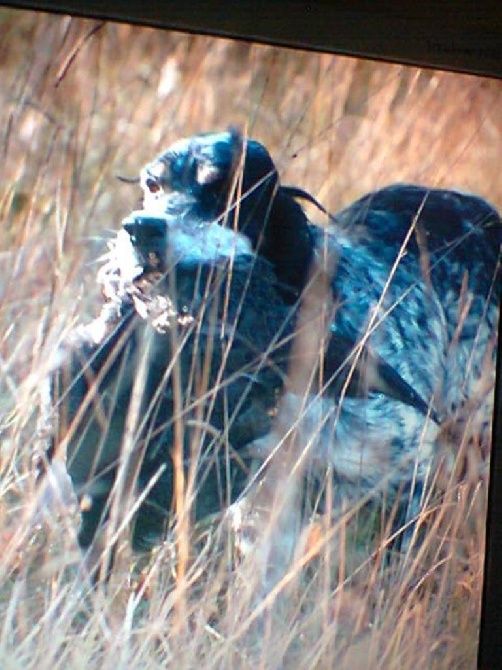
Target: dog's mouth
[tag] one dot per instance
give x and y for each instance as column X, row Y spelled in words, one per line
column 135, row 273
column 148, row 237
column 136, row 252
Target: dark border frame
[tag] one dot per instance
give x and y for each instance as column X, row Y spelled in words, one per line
column 460, row 35
column 463, row 36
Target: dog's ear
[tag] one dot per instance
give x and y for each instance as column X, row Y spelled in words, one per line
column 207, row 173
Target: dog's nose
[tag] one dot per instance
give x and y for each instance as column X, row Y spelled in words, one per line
column 145, row 230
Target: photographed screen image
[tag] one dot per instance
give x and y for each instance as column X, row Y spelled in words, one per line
column 249, row 308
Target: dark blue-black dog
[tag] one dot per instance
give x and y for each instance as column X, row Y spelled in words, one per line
column 213, row 268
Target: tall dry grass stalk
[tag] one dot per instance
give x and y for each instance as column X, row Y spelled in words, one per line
column 82, row 102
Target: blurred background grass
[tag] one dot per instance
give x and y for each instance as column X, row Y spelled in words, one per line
column 82, row 102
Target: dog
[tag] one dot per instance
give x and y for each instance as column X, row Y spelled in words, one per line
column 202, row 296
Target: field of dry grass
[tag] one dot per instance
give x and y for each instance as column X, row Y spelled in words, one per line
column 82, row 102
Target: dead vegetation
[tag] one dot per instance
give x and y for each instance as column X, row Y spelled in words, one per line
column 82, row 102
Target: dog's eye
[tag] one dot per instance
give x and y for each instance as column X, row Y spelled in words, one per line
column 152, row 185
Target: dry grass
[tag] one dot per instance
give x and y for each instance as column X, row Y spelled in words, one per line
column 82, row 102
